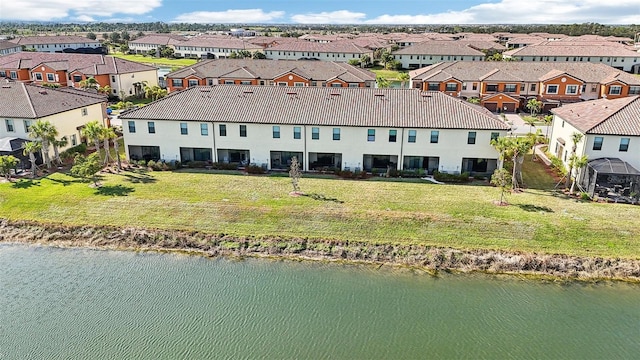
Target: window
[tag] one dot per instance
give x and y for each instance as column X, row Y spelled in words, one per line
column 280, row 83
column 176, row 82
column 522, row 87
column 228, row 82
column 245, row 82
column 297, row 132
column 204, row 129
column 371, row 134
column 183, row 129
column 495, row 135
column 412, row 136
column 132, row 126
column 594, row 87
column 315, row 133
column 3, row 73
column 552, row 89
column 471, row 138
column 433, row 86
column 336, row 133
column 624, row 144
column 152, row 127
column 222, row 129
column 492, row 87
column 37, row 76
column 74, row 140
column 9, row 124
column 14, row 75
column 393, row 135
column 243, row 130
column 84, row 111
column 336, row 84
column 532, row 87
column 77, row 78
column 510, row 88
column 298, row 84
column 572, row 89
column 27, row 126
column 113, row 78
column 634, row 90
column 193, row 82
column 435, row 134
column 452, row 87
column 475, row 86
column 51, row 78
column 276, row 132
column 615, row 90
column 597, row 143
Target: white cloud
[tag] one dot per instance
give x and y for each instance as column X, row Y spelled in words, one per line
column 229, row 16
column 334, row 17
column 78, row 9
column 85, row 18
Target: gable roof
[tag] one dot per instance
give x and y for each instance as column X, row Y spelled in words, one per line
column 58, row 39
column 440, row 47
column 90, row 64
column 603, row 116
column 20, row 100
column 409, row 108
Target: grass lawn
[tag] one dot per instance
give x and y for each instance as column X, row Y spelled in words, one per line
column 157, row 61
column 387, row 74
column 459, row 216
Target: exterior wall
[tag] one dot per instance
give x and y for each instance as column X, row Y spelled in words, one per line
column 324, row 56
column 562, row 82
column 625, row 63
column 10, row 50
column 611, row 149
column 564, row 130
column 52, row 48
column 203, row 52
column 502, row 88
column 66, row 123
column 124, row 82
column 451, row 148
column 291, row 79
column 421, row 60
column 502, row 103
column 606, row 90
column 59, row 76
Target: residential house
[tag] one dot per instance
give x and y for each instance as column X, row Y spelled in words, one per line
column 270, row 72
column 339, row 51
column 213, row 47
column 59, row 43
column 124, row 77
column 67, row 109
column 342, row 128
column 7, row 47
column 431, row 52
column 145, row 44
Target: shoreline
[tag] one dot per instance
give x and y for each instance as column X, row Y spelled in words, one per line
column 427, row 258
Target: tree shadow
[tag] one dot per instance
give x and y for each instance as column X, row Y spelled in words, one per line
column 534, row 208
column 66, row 182
column 114, row 190
column 139, row 178
column 321, row 197
column 25, row 184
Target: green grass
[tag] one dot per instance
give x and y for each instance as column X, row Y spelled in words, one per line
column 387, row 74
column 157, row 61
column 459, row 216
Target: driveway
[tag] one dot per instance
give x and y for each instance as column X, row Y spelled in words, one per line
column 519, row 127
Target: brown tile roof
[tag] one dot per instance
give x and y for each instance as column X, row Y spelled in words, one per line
column 439, row 47
column 579, row 48
column 342, row 46
column 20, row 100
column 220, row 42
column 60, row 39
column 4, row 44
column 603, row 116
column 90, row 64
column 269, row 69
column 525, row 71
column 159, row 39
column 409, row 108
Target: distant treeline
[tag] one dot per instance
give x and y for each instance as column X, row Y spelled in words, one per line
column 31, row 28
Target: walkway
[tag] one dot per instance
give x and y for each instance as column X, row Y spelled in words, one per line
column 519, row 127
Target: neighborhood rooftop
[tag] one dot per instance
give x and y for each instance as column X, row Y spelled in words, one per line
column 604, row 116
column 320, row 106
column 90, row 64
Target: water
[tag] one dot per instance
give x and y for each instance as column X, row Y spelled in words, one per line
column 88, row 304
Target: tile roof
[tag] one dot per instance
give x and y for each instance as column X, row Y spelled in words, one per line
column 90, row 64
column 603, row 116
column 159, row 39
column 269, row 69
column 342, row 46
column 440, row 47
column 20, row 100
column 578, row 48
column 4, row 44
column 59, row 39
column 221, row 42
column 524, row 71
column 409, row 108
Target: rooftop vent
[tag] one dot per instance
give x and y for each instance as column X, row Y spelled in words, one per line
column 292, row 93
column 334, row 94
column 379, row 95
column 248, row 91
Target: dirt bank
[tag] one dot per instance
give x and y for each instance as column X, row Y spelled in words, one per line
column 421, row 256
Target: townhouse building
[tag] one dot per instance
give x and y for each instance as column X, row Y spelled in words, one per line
column 432, row 52
column 122, row 76
column 611, row 141
column 7, row 47
column 339, row 51
column 145, row 44
column 609, row 53
column 213, row 47
column 507, row 86
column 342, row 128
column 269, row 72
column 59, row 43
column 67, row 109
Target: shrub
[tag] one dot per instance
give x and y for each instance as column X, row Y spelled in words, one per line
column 452, row 178
column 584, row 196
column 71, row 152
column 225, row 166
column 152, row 165
column 254, row 169
column 197, row 164
column 557, row 165
column 142, row 163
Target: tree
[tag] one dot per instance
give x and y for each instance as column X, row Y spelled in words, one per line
column 576, row 162
column 515, row 149
column 393, row 65
column 354, row 62
column 294, row 174
column 89, row 83
column 91, row 36
column 259, row 55
column 547, row 122
column 473, row 100
column 93, row 132
column 104, row 90
column 531, row 121
column 106, row 134
column 166, row 52
column 365, row 60
column 576, row 137
column 125, row 35
column 30, row 149
column 382, row 82
column 43, row 131
column 105, row 36
column 114, row 37
column 385, row 57
column 534, row 106
column 403, row 77
column 154, row 92
column 536, row 138
column 57, row 144
column 86, row 167
column 501, row 179
column 7, row 163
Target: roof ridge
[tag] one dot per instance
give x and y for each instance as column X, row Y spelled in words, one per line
column 33, row 109
column 628, row 100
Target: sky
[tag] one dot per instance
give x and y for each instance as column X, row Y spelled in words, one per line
column 327, row 11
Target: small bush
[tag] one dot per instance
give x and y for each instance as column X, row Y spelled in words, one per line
column 152, row 165
column 142, row 163
column 71, row 152
column 224, row 166
column 557, row 165
column 254, row 169
column 197, row 164
column 451, row 178
column 584, row 196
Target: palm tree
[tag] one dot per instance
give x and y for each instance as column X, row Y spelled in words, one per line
column 531, row 121
column 42, row 131
column 547, row 122
column 107, row 135
column 577, row 163
column 403, row 77
column 514, row 148
column 93, row 131
column 382, row 82
column 576, row 137
column 89, row 83
column 31, row 148
column 534, row 106
column 536, row 138
column 365, row 60
column 57, row 144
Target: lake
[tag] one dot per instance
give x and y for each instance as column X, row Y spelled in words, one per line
column 98, row 304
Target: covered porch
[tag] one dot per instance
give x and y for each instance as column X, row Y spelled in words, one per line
column 281, row 160
column 324, row 161
column 611, row 178
column 427, row 163
column 233, row 156
column 195, row 154
column 15, row 146
column 145, row 153
column 371, row 161
column 479, row 166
